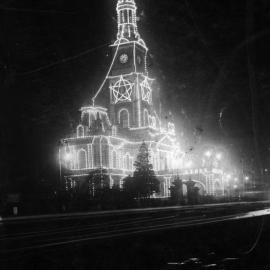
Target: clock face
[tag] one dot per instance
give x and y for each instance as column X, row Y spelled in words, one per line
column 123, row 58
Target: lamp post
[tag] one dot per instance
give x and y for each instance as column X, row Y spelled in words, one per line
column 211, row 160
column 65, row 156
column 246, row 181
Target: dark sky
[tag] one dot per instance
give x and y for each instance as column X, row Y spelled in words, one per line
column 210, row 59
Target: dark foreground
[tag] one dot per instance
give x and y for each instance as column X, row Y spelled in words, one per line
column 234, row 243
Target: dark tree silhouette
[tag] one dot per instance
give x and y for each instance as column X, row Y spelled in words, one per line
column 177, row 191
column 192, row 192
column 98, row 182
column 144, row 182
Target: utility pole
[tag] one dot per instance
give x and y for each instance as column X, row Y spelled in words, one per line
column 6, row 80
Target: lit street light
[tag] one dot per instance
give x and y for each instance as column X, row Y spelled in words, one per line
column 219, row 156
column 208, row 154
column 68, row 157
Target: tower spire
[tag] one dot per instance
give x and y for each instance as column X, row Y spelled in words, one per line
column 127, row 21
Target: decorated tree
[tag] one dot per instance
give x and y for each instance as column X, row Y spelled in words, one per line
column 144, row 182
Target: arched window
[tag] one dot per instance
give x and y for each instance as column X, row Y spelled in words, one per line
column 82, row 159
column 124, row 118
column 146, row 118
column 154, row 122
column 96, row 153
column 155, row 163
column 105, row 154
column 131, row 162
column 85, row 119
column 114, row 160
column 122, row 17
column 150, row 121
column 92, row 118
column 80, row 131
column 114, row 131
column 130, row 16
column 166, row 163
column 127, row 160
column 162, row 161
column 121, row 162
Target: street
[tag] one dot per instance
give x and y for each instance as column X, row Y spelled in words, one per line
column 23, row 234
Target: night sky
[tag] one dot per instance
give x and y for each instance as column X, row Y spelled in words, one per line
column 209, row 58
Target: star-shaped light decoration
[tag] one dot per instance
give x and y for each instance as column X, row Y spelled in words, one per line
column 146, row 90
column 122, row 90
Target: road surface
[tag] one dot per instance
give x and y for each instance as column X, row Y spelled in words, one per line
column 24, row 234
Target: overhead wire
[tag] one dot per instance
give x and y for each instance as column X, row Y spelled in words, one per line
column 39, row 11
column 61, row 61
column 108, row 73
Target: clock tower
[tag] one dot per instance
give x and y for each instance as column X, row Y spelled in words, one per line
column 129, row 87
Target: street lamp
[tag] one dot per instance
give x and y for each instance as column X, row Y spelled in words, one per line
column 68, row 157
column 219, row 156
column 208, row 154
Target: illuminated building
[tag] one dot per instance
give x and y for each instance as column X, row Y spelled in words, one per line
column 122, row 115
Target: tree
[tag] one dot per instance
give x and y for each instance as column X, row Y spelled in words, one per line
column 144, row 183
column 192, row 192
column 98, row 182
column 177, row 190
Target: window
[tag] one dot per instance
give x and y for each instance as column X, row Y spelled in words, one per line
column 86, row 119
column 96, row 155
column 124, row 118
column 129, row 16
column 127, row 160
column 154, row 122
column 82, row 159
column 122, row 17
column 114, row 160
column 80, row 131
column 146, row 118
column 131, row 162
column 114, row 131
column 105, row 154
column 92, row 118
